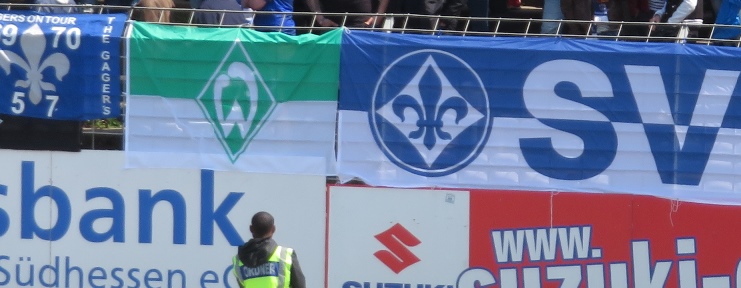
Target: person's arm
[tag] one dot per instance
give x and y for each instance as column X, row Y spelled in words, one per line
column 314, row 6
column 658, row 14
column 382, row 6
column 254, row 4
column 683, row 10
column 657, row 17
column 297, row 276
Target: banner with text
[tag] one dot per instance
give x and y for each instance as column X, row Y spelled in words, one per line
column 541, row 114
column 488, row 238
column 60, row 66
column 232, row 99
column 393, row 236
column 600, row 240
column 75, row 220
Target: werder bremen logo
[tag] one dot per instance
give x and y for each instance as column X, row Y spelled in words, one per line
column 236, row 101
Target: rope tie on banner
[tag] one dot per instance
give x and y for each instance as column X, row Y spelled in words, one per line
column 673, row 208
column 51, row 216
column 553, row 193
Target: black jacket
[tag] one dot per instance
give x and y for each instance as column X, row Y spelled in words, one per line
column 258, row 251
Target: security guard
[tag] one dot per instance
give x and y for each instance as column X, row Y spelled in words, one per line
column 261, row 263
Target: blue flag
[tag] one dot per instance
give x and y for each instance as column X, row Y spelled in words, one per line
column 60, row 66
column 540, row 114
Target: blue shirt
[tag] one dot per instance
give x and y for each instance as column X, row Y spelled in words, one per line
column 277, row 20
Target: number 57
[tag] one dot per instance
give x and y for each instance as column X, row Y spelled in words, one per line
column 18, row 105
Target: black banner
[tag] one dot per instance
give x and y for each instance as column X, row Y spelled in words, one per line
column 26, row 133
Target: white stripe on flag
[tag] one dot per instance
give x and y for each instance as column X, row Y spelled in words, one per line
column 501, row 164
column 298, row 138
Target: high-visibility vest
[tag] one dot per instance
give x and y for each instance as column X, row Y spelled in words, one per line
column 276, row 273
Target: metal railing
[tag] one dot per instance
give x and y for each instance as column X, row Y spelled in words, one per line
column 401, row 23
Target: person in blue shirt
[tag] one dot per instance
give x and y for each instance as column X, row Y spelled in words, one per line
column 728, row 14
column 281, row 21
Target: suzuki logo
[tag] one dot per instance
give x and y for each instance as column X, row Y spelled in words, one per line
column 397, row 239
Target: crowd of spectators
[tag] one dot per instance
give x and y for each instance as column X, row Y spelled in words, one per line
column 685, row 14
column 583, row 14
column 278, row 15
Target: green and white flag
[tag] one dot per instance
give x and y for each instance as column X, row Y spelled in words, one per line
column 231, row 99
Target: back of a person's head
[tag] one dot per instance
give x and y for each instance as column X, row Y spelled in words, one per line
column 262, row 224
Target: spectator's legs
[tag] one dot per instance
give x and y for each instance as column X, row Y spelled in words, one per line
column 577, row 10
column 452, row 8
column 728, row 14
column 117, row 3
column 351, row 6
column 497, row 8
column 479, row 8
column 432, row 7
column 302, row 20
column 716, row 5
column 413, row 7
column 568, row 14
column 584, row 11
column 422, row 7
column 551, row 11
column 618, row 10
column 154, row 15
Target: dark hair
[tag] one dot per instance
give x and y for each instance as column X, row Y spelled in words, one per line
column 262, row 223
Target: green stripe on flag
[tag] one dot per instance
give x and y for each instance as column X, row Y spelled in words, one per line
column 186, row 62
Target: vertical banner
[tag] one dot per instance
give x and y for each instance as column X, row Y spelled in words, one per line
column 232, row 99
column 60, row 66
column 396, row 237
column 541, row 114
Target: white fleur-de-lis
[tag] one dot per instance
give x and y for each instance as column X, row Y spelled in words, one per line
column 33, row 44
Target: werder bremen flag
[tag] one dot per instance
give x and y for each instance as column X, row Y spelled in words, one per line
column 231, row 99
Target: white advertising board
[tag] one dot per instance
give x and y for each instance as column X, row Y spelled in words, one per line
column 80, row 220
column 397, row 237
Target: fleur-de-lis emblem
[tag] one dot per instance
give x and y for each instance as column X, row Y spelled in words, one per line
column 434, row 123
column 33, row 45
column 434, row 107
column 430, row 102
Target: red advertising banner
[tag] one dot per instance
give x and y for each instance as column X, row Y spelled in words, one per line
column 537, row 239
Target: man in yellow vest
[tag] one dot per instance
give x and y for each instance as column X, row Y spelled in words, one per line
column 261, row 263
